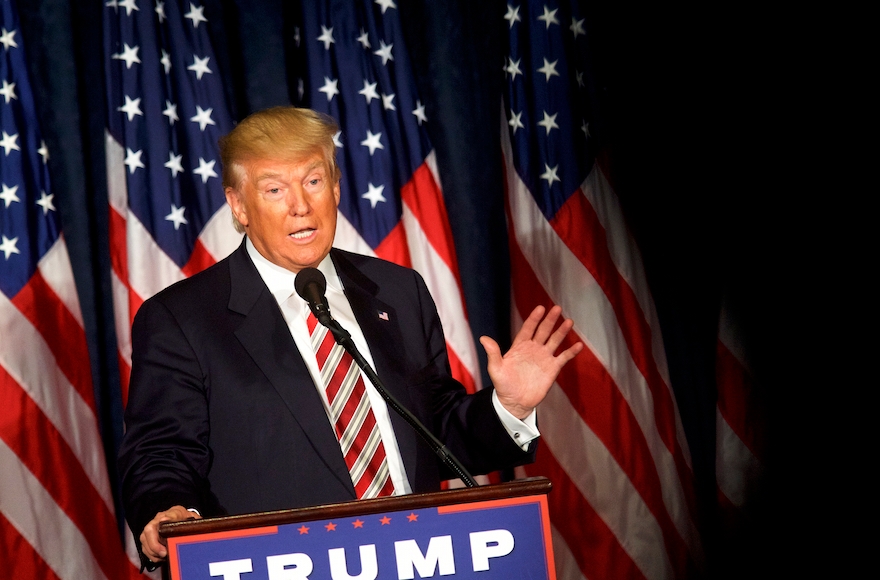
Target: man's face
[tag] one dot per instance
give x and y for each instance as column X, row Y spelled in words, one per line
column 288, row 210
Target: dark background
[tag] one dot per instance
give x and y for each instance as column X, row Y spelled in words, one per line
column 707, row 119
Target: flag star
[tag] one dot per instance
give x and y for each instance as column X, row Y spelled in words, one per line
column 336, row 139
column 549, row 122
column 131, row 107
column 579, row 76
column 515, row 121
column 112, row 4
column 419, row 112
column 7, row 40
column 166, row 61
column 44, row 152
column 133, row 160
column 205, row 170
column 512, row 15
column 512, row 68
column 549, row 17
column 549, row 69
column 129, row 5
column 170, row 112
column 8, row 142
column 8, row 91
column 174, row 164
column 300, row 88
column 384, row 52
column 585, row 127
column 176, row 216
column 330, row 88
column 369, row 91
column 387, row 103
column 386, row 4
column 203, row 117
column 364, row 39
column 373, row 141
column 8, row 246
column 196, row 15
column 45, row 202
column 129, row 54
column 296, row 37
column 160, row 11
column 8, row 194
column 550, row 174
column 374, row 194
column 200, row 66
column 577, row 27
column 326, row 37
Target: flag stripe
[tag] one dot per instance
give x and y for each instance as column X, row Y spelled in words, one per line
column 567, row 565
column 55, row 269
column 735, row 396
column 19, row 557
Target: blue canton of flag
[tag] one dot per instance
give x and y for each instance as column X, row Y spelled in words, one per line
column 166, row 110
column 55, row 497
column 391, row 201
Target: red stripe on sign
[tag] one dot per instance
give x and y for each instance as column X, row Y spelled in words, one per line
column 459, row 371
column 118, row 245
column 598, row 401
column 64, row 336
column 425, row 200
column 48, row 456
column 394, row 247
column 18, row 558
column 198, row 260
column 736, row 400
column 580, row 229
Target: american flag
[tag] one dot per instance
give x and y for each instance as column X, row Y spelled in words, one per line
column 166, row 110
column 392, row 203
column 614, row 447
column 56, row 507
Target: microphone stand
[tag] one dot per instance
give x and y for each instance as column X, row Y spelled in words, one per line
column 343, row 338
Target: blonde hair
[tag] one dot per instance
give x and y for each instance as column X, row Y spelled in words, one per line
column 285, row 133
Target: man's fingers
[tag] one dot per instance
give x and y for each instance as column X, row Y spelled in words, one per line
column 530, row 324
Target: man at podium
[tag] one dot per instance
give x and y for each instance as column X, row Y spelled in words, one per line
column 240, row 401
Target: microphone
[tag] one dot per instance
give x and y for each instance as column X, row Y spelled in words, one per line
column 311, row 285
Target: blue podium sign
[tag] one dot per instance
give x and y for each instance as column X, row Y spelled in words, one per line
column 498, row 539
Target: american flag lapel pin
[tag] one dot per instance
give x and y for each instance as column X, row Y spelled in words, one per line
column 383, row 315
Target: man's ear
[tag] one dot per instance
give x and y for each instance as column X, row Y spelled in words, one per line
column 233, row 198
column 336, row 192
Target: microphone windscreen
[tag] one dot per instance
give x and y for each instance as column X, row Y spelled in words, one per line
column 305, row 278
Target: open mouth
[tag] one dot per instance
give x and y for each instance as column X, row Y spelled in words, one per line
column 302, row 234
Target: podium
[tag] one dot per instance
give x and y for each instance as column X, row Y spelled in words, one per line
column 494, row 532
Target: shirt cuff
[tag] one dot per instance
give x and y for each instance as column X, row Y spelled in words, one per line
column 524, row 431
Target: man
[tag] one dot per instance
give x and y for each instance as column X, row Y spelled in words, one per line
column 232, row 410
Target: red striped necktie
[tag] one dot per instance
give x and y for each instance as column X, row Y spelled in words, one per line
column 351, row 415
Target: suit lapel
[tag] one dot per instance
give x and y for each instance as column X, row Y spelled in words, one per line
column 265, row 336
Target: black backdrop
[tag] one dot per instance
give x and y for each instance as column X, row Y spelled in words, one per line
column 696, row 123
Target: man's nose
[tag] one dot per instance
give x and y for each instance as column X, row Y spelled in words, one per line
column 298, row 201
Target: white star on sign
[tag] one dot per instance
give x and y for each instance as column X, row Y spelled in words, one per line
column 203, row 117
column 129, row 54
column 330, row 88
column 386, row 4
column 550, row 174
column 512, row 68
column 585, row 127
column 7, row 40
column 364, row 39
column 160, row 11
column 166, row 61
column 170, row 112
column 176, row 216
column 133, row 160
column 200, row 66
column 129, row 5
column 549, row 122
column 549, row 17
column 384, row 52
column 374, row 194
column 131, row 107
column 45, row 202
column 8, row 91
column 549, row 69
column 387, row 103
column 512, row 15
column 8, row 142
column 326, row 37
column 419, row 112
column 196, row 15
column 44, row 152
column 369, row 91
column 174, row 164
column 8, row 247
column 373, row 141
column 577, row 27
column 336, row 139
column 515, row 121
column 205, row 170
column 8, row 194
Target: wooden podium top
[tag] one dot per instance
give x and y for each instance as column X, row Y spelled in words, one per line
column 519, row 488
